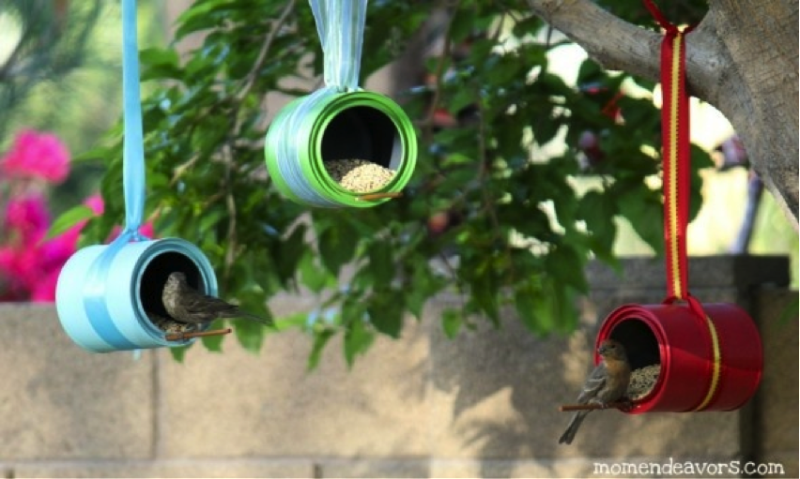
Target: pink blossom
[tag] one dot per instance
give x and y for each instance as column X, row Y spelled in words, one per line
column 36, row 155
column 28, row 216
column 6, row 258
column 55, row 252
column 29, row 268
column 95, row 202
column 45, row 289
column 148, row 230
column 19, row 267
column 12, row 289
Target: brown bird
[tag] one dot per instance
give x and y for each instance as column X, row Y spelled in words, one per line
column 606, row 384
column 187, row 305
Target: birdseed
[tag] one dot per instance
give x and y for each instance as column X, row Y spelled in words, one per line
column 169, row 325
column 643, row 380
column 359, row 176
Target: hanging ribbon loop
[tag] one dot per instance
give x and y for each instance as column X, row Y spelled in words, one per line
column 340, row 25
column 133, row 172
column 676, row 152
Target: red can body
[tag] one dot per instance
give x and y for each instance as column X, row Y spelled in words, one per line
column 675, row 337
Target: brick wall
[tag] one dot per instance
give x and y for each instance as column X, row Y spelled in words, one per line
column 483, row 404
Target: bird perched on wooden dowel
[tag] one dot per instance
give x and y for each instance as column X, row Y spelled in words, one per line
column 187, row 305
column 606, row 384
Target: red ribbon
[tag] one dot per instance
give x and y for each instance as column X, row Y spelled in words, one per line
column 676, row 153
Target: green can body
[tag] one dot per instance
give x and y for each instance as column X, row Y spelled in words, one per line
column 329, row 125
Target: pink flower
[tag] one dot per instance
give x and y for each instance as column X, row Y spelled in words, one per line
column 20, row 270
column 28, row 216
column 147, row 230
column 45, row 289
column 95, row 202
column 29, row 268
column 54, row 253
column 36, row 155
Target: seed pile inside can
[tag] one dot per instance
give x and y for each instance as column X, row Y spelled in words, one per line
column 359, row 176
column 643, row 380
column 169, row 325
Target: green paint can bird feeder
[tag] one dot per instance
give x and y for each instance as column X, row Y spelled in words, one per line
column 341, row 146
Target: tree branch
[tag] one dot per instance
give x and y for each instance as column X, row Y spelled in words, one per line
column 738, row 59
column 621, row 46
column 624, row 46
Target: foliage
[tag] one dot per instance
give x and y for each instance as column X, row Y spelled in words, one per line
column 496, row 211
column 45, row 41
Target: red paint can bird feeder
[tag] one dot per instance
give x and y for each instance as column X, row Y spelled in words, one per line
column 698, row 357
column 710, row 363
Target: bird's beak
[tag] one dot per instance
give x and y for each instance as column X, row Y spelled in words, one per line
column 601, row 350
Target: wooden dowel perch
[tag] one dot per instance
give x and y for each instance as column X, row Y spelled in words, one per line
column 622, row 405
column 196, row 334
column 379, row 196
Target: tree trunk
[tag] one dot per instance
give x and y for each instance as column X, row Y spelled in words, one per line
column 742, row 59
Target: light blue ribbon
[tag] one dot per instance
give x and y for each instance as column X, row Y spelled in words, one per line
column 133, row 148
column 340, row 25
column 133, row 178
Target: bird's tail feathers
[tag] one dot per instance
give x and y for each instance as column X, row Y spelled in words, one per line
column 572, row 428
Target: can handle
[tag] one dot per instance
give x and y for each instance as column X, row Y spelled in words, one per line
column 693, row 304
column 133, row 171
column 133, row 183
column 340, row 25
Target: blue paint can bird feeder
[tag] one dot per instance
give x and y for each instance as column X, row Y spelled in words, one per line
column 107, row 296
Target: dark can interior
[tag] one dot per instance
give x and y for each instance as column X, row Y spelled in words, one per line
column 155, row 277
column 362, row 133
column 639, row 342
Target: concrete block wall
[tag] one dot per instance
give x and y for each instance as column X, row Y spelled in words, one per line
column 483, row 404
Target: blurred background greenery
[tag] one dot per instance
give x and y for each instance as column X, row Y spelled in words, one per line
column 70, row 84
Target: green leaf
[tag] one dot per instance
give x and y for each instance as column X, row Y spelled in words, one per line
column 598, row 211
column 296, row 320
column 501, row 69
column 451, row 322
column 357, row 340
column 337, row 245
column 290, row 252
column 95, row 154
column 566, row 265
column 214, row 343
column 463, row 24
column 313, row 276
column 462, row 98
column 159, row 63
column 381, row 263
column 179, row 353
column 69, row 219
column 529, row 311
column 386, row 311
column 645, row 213
column 250, row 335
column 484, row 296
column 320, row 341
column 209, row 219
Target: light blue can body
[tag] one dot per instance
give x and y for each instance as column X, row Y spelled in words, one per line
column 104, row 291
